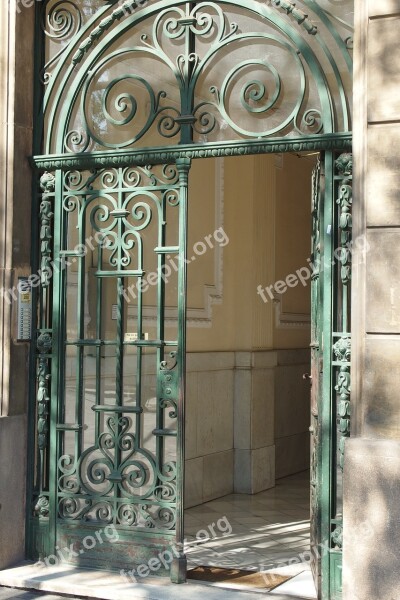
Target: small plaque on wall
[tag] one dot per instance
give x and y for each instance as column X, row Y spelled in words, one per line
column 114, row 312
column 24, row 310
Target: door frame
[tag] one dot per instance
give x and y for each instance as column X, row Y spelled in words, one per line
column 332, row 148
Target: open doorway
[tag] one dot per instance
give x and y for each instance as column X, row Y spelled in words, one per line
column 248, row 404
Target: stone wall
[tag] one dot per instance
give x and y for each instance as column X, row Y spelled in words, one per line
column 16, row 110
column 247, row 421
column 372, row 491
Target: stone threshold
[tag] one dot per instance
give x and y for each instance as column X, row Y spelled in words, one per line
column 106, row 585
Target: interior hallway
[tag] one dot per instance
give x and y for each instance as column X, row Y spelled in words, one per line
column 270, row 532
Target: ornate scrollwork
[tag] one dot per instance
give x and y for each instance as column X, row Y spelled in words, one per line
column 345, row 201
column 259, row 87
column 117, row 468
column 61, row 20
column 44, row 345
column 344, row 164
column 169, row 382
column 342, row 349
column 337, row 536
column 300, row 16
column 42, row 507
column 343, row 389
column 47, row 184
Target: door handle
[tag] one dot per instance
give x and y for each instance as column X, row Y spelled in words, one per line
column 307, row 376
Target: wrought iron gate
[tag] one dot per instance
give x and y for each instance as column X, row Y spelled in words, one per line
column 330, row 364
column 117, row 464
column 124, row 86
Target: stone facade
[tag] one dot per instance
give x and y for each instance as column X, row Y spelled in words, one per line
column 371, row 490
column 16, row 119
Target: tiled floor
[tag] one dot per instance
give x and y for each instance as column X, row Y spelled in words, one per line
column 267, row 531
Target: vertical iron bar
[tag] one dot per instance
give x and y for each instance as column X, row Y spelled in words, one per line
column 80, row 352
column 187, row 93
column 99, row 315
column 160, row 329
column 326, row 409
column 179, row 565
column 139, row 349
column 58, row 367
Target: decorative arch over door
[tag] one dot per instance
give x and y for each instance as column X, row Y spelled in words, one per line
column 176, row 73
column 130, row 92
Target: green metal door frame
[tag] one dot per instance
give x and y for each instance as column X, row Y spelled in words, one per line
column 73, row 69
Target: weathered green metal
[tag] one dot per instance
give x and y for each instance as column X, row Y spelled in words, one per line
column 318, row 181
column 73, row 492
column 341, row 356
column 143, row 156
column 330, row 351
column 92, row 48
column 116, row 480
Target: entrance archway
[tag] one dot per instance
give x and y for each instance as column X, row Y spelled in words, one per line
column 131, row 94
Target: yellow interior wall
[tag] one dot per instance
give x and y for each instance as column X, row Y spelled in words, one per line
column 267, row 219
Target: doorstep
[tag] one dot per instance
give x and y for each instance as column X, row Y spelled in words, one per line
column 106, row 585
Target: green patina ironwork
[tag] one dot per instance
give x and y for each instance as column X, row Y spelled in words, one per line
column 330, row 363
column 96, row 144
column 92, row 51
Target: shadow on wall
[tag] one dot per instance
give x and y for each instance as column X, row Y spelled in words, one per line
column 371, row 520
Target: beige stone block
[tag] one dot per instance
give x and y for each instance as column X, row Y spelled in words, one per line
column 24, row 71
column 292, row 400
column 380, row 388
column 292, row 454
column 22, row 193
column 295, row 356
column 243, row 360
column 191, row 415
column 217, row 475
column 242, row 471
column 262, row 408
column 383, row 175
column 254, row 470
column 383, row 69
column 371, row 563
column 383, row 289
column 18, row 379
column 263, row 469
column 193, row 482
column 215, row 412
column 383, row 7
column 12, row 490
column 242, row 411
column 210, row 361
column 263, row 360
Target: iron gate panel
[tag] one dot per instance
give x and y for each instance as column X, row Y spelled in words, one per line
column 332, row 245
column 117, row 405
